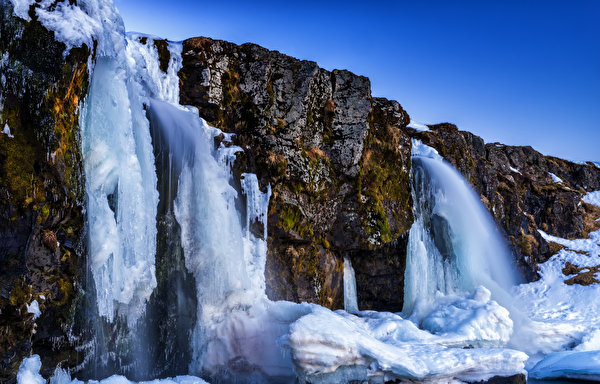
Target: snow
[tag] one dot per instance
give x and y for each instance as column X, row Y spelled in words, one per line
column 34, row 308
column 21, row 8
column 420, row 149
column 561, row 315
column 6, row 131
column 418, row 126
column 514, row 170
column 79, row 24
column 388, row 346
column 570, row 365
column 555, row 178
column 592, row 198
column 29, row 373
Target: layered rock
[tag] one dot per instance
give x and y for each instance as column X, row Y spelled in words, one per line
column 41, row 192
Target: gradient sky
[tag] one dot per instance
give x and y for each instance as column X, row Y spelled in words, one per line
column 518, row 72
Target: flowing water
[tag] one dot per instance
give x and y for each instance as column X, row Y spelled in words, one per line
column 454, row 245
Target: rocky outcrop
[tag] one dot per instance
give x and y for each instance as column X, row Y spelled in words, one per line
column 41, row 193
column 524, row 191
column 336, row 159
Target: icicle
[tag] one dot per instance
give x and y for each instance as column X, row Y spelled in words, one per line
column 350, row 298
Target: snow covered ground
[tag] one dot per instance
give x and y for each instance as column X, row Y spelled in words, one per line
column 565, row 319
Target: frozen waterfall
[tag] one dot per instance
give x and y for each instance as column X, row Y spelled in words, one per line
column 454, row 245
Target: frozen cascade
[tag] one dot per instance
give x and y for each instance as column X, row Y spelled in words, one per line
column 350, row 298
column 120, row 172
column 454, row 245
column 226, row 258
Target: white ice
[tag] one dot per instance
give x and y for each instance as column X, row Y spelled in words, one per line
column 350, row 296
column 119, row 166
column 6, row 131
column 570, row 365
column 555, row 178
column 34, row 308
column 385, row 345
column 418, row 126
column 29, row 373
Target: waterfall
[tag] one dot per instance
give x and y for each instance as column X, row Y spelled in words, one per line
column 120, row 174
column 454, row 244
column 350, row 298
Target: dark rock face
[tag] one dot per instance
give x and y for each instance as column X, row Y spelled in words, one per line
column 336, row 158
column 516, row 186
column 41, row 193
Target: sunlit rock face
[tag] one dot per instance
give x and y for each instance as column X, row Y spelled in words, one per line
column 336, row 158
column 41, row 189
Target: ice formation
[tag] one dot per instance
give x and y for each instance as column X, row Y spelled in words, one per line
column 350, row 298
column 453, row 244
column 29, row 373
column 418, row 126
column 34, row 308
column 7, row 132
column 338, row 347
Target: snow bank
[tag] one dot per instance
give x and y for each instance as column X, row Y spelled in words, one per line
column 375, row 344
column 29, row 373
column 570, row 365
column 592, row 198
column 418, row 126
column 562, row 315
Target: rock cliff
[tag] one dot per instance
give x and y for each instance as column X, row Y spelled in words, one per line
column 336, row 158
column 41, row 192
column 338, row 161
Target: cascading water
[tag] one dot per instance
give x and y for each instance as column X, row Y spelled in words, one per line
column 453, row 245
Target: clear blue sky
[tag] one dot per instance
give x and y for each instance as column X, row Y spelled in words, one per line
column 518, row 72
